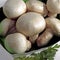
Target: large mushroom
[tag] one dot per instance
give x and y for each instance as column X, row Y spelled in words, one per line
column 17, row 43
column 30, row 24
column 53, row 28
column 14, row 8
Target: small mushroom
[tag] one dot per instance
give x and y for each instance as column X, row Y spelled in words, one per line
column 14, row 8
column 5, row 25
column 53, row 6
column 37, row 6
column 54, row 25
column 44, row 38
column 53, row 28
column 17, row 43
column 33, row 38
column 30, row 24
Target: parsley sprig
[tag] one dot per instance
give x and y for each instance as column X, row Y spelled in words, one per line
column 47, row 54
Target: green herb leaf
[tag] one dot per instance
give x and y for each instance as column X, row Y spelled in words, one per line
column 25, row 1
column 47, row 54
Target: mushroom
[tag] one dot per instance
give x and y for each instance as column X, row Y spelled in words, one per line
column 53, row 6
column 33, row 38
column 5, row 25
column 53, row 28
column 14, row 8
column 54, row 25
column 44, row 38
column 17, row 43
column 37, row 6
column 33, row 23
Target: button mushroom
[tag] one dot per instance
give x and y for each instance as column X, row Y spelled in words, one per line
column 44, row 38
column 14, row 8
column 5, row 25
column 53, row 6
column 30, row 24
column 37, row 6
column 53, row 28
column 54, row 25
column 17, row 43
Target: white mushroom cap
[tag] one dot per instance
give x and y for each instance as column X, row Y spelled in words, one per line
column 54, row 25
column 37, row 6
column 14, row 8
column 53, row 6
column 5, row 25
column 30, row 24
column 16, row 43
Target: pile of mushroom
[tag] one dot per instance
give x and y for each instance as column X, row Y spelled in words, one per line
column 26, row 24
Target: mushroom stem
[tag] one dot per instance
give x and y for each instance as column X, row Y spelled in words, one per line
column 12, row 30
column 28, row 45
column 33, row 38
column 45, row 37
